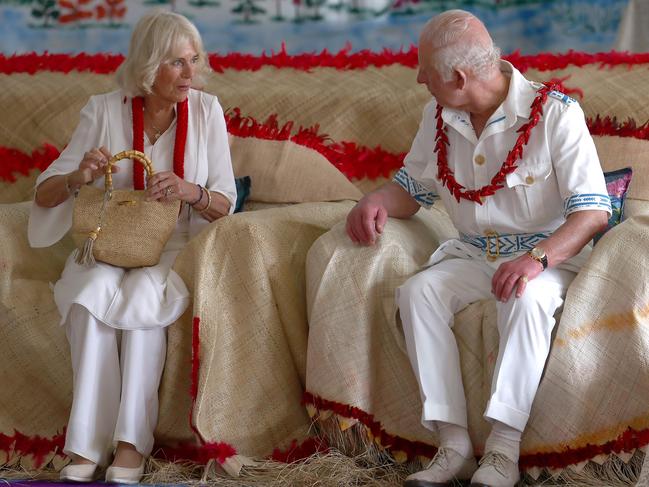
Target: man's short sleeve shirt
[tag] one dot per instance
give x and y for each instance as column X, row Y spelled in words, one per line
column 559, row 173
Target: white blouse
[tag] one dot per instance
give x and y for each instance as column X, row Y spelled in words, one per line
column 146, row 297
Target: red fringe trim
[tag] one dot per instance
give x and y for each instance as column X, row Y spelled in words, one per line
column 610, row 126
column 627, row 441
column 296, row 452
column 36, row 446
column 200, row 454
column 342, row 60
column 353, row 160
column 193, row 392
column 15, row 162
column 205, row 451
column 392, row 442
column 32, row 63
column 39, row 448
column 548, row 61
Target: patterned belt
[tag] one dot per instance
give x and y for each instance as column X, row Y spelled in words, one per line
column 504, row 245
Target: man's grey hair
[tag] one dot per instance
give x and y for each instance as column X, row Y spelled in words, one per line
column 153, row 41
column 444, row 34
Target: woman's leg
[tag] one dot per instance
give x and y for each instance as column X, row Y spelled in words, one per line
column 96, row 386
column 143, row 355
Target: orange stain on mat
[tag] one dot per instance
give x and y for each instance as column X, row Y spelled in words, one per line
column 615, row 322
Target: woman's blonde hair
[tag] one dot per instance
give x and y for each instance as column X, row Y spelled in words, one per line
column 152, row 43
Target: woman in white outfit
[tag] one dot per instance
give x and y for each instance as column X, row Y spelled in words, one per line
column 115, row 318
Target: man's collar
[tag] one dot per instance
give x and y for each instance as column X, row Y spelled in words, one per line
column 521, row 92
column 517, row 103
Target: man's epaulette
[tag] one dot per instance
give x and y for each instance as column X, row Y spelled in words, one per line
column 562, row 97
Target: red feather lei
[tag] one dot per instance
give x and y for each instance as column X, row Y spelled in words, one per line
column 445, row 174
column 137, row 105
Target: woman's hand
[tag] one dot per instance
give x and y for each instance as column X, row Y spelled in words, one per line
column 167, row 186
column 57, row 189
column 92, row 166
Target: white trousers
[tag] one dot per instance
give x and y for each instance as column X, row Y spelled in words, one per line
column 115, row 386
column 428, row 302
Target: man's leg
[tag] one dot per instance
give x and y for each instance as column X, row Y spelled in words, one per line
column 427, row 304
column 525, row 327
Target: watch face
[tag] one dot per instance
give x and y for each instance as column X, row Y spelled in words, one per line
column 538, row 253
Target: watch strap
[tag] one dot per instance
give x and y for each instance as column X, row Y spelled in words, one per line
column 542, row 260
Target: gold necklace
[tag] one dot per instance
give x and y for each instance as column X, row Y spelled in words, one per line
column 158, row 132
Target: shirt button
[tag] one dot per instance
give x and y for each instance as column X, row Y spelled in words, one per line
column 529, row 180
column 479, row 159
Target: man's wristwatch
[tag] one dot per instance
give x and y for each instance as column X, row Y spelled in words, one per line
column 538, row 254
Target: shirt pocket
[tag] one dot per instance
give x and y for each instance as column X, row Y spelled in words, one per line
column 528, row 183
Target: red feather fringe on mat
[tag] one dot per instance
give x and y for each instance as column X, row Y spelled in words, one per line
column 296, row 452
column 353, row 160
column 343, row 60
column 393, row 442
column 36, row 446
column 627, row 441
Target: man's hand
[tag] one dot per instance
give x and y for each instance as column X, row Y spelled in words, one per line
column 514, row 274
column 366, row 221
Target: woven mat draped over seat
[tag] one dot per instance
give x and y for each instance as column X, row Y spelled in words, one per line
column 247, row 274
column 247, row 277
column 595, row 385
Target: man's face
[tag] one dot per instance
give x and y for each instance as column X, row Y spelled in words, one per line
column 446, row 93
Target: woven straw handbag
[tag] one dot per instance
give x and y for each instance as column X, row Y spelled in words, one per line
column 120, row 227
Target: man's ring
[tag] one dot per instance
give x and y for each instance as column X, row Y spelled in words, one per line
column 524, row 278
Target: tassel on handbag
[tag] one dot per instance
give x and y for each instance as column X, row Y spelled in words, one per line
column 85, row 257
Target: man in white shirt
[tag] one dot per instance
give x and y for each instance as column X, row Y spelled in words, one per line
column 517, row 171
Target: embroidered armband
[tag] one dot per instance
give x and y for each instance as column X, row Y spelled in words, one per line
column 587, row 201
column 562, row 97
column 418, row 191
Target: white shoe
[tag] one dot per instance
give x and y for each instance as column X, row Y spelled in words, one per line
column 496, row 470
column 123, row 475
column 82, row 472
column 446, row 466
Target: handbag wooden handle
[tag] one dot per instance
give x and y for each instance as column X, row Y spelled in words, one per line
column 136, row 155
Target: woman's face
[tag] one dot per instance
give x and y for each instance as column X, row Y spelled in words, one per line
column 175, row 75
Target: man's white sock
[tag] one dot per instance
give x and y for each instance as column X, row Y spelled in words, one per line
column 454, row 437
column 504, row 439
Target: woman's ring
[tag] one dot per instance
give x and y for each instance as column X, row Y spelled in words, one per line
column 524, row 278
column 169, row 190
